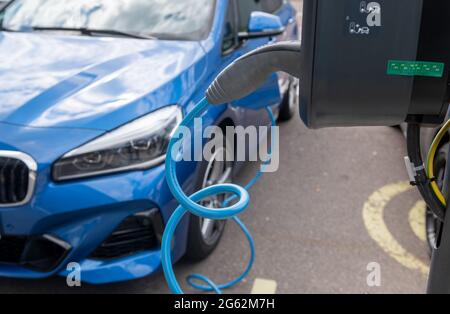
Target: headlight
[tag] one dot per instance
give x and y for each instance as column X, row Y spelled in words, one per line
column 139, row 144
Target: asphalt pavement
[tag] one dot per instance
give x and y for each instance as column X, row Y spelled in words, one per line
column 338, row 208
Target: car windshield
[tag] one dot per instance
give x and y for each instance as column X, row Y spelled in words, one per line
column 171, row 19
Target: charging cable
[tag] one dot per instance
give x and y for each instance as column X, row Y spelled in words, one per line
column 239, row 79
column 239, row 195
column 421, row 176
column 430, row 161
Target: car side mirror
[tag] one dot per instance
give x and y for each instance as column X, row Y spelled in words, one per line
column 261, row 25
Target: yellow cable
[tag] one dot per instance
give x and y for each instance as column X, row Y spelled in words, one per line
column 430, row 161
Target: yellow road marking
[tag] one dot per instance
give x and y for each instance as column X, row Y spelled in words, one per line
column 417, row 220
column 375, row 225
column 264, row 286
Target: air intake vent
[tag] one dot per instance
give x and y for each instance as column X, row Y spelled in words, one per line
column 42, row 253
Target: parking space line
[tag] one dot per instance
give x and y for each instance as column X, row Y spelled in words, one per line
column 264, row 286
column 377, row 229
column 417, row 220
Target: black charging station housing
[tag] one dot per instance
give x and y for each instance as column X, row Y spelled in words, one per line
column 374, row 63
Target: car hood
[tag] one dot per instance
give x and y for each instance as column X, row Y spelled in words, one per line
column 54, row 80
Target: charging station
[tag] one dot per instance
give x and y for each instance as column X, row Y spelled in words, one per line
column 367, row 63
column 360, row 63
column 384, row 62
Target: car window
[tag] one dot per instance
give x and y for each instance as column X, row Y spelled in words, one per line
column 230, row 39
column 186, row 19
column 246, row 7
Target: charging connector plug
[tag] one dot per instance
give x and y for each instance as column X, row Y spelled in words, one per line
column 246, row 74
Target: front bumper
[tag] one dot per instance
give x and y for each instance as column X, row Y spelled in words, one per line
column 85, row 213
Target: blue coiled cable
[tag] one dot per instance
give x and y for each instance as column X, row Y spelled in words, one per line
column 190, row 204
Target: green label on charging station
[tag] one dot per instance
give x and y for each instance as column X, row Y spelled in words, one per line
column 415, row 68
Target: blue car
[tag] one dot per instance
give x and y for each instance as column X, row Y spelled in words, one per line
column 90, row 93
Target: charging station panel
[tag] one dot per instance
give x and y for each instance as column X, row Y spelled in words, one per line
column 373, row 63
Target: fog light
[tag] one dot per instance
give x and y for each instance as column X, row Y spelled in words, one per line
column 139, row 232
